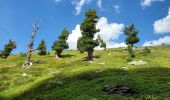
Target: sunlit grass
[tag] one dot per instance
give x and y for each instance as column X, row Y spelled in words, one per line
column 73, row 78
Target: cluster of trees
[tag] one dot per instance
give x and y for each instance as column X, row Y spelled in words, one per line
column 86, row 43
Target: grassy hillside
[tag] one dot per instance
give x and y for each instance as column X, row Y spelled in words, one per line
column 74, row 79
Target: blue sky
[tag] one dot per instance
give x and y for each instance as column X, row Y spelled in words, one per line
column 151, row 18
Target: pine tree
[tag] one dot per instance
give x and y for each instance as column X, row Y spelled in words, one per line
column 101, row 42
column 61, row 44
column 8, row 49
column 42, row 48
column 131, row 39
column 132, row 33
column 86, row 43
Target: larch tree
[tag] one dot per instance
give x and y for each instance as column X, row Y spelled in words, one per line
column 7, row 49
column 131, row 39
column 60, row 44
column 86, row 43
column 42, row 48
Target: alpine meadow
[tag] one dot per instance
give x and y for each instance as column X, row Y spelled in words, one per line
column 119, row 50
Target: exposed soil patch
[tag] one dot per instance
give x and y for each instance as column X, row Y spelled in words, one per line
column 122, row 90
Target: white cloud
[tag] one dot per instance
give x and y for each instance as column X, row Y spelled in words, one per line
column 79, row 4
column 116, row 8
column 99, row 4
column 165, row 40
column 57, row 1
column 73, row 37
column 108, row 33
column 163, row 25
column 147, row 3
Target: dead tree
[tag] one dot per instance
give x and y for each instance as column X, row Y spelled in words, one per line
column 27, row 62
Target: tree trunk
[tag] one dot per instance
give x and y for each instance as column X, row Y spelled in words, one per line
column 90, row 55
column 27, row 62
column 57, row 56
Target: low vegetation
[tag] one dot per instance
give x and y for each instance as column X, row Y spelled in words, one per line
column 75, row 79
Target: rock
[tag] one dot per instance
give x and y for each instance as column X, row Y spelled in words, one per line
column 122, row 90
column 125, row 68
column 140, row 62
column 94, row 99
column 109, row 54
column 24, row 74
column 101, row 63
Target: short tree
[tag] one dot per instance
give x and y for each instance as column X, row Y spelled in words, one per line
column 61, row 44
column 131, row 39
column 146, row 50
column 101, row 42
column 86, row 43
column 42, row 48
column 7, row 49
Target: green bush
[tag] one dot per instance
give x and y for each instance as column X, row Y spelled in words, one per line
column 129, row 58
column 146, row 50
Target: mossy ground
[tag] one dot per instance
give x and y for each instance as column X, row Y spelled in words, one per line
column 72, row 78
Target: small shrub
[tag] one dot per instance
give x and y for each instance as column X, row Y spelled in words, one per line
column 129, row 58
column 146, row 50
column 22, row 54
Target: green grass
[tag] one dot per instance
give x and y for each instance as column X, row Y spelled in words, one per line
column 74, row 79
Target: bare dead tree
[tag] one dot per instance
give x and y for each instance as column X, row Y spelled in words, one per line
column 27, row 62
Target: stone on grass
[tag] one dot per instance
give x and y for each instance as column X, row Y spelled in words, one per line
column 140, row 62
column 24, row 74
column 101, row 63
column 125, row 68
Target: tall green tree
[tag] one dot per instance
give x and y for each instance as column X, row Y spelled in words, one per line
column 86, row 43
column 61, row 44
column 131, row 39
column 101, row 42
column 42, row 48
column 7, row 49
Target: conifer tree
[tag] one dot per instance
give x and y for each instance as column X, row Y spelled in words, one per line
column 61, row 44
column 7, row 49
column 131, row 39
column 42, row 48
column 86, row 43
column 101, row 42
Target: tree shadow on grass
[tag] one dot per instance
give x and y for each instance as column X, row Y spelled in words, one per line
column 145, row 81
column 94, row 58
column 66, row 56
